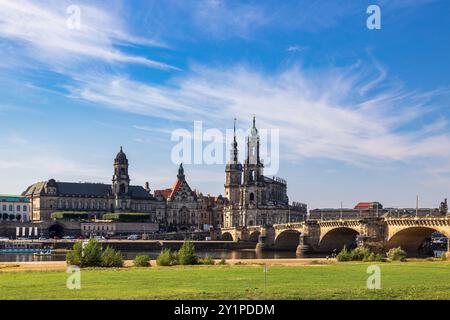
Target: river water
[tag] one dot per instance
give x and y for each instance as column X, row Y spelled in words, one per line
column 129, row 255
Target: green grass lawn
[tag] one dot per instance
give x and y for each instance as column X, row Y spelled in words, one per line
column 407, row 280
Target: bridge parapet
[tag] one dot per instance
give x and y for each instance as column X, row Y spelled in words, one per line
column 284, row 226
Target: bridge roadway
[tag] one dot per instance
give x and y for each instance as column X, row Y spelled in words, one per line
column 325, row 236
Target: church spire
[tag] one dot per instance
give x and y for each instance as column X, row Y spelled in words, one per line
column 234, row 145
column 253, row 130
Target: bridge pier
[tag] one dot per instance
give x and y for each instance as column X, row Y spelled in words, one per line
column 262, row 244
column 303, row 247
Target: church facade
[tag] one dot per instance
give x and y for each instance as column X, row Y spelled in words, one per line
column 255, row 199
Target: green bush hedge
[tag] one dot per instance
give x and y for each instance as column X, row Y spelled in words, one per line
column 141, row 261
column 127, row 217
column 93, row 256
column 167, row 258
column 186, row 254
column 358, row 254
column 112, row 258
column 396, row 254
column 67, row 215
column 208, row 260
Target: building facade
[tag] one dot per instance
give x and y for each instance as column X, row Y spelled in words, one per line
column 176, row 209
column 14, row 208
column 255, row 199
column 96, row 198
column 186, row 209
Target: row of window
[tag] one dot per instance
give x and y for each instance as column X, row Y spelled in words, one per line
column 98, row 228
column 18, row 207
column 97, row 205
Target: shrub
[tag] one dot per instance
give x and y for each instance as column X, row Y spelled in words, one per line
column 374, row 257
column 359, row 254
column 127, row 217
column 74, row 256
column 344, row 255
column 222, row 262
column 69, row 215
column 166, row 258
column 444, row 256
column 112, row 258
column 208, row 260
column 18, row 217
column 90, row 256
column 141, row 261
column 186, row 254
column 396, row 254
column 5, row 216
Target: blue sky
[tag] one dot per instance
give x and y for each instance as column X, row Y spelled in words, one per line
column 362, row 114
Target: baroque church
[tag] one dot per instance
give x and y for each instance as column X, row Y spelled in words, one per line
column 255, row 199
column 175, row 209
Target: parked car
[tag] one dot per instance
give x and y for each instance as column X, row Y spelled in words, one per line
column 133, row 237
column 100, row 238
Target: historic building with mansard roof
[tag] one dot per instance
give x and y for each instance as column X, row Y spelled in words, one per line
column 254, row 199
column 50, row 196
column 174, row 209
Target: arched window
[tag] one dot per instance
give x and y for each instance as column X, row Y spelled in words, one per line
column 252, row 196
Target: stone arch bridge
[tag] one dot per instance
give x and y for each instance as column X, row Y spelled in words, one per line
column 326, row 236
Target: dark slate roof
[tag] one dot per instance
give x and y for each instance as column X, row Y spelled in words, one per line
column 139, row 192
column 34, row 189
column 85, row 190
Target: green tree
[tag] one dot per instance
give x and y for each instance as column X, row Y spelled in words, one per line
column 90, row 256
column 111, row 258
column 167, row 258
column 74, row 256
column 141, row 261
column 397, row 254
column 186, row 254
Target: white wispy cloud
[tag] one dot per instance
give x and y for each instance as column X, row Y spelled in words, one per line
column 322, row 113
column 39, row 31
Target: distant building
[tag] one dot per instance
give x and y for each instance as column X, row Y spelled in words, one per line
column 254, row 199
column 368, row 205
column 373, row 209
column 14, row 208
column 176, row 209
column 50, row 196
column 186, row 209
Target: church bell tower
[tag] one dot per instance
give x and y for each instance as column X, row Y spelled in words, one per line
column 121, row 181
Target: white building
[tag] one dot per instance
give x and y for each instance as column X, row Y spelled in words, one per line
column 14, row 208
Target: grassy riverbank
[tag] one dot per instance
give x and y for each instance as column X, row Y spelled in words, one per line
column 408, row 280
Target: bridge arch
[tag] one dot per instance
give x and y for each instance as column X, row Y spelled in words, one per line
column 226, row 236
column 335, row 239
column 56, row 230
column 254, row 236
column 287, row 240
column 414, row 239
